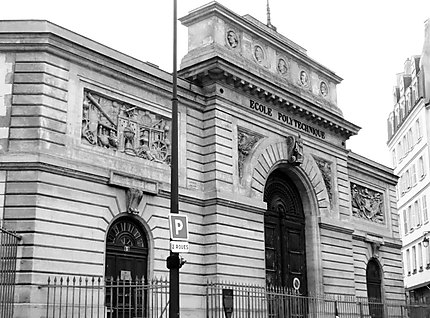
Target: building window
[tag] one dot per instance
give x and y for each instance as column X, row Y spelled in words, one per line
column 410, row 218
column 417, row 209
column 405, row 222
column 428, row 256
column 414, row 175
column 414, row 260
column 418, row 131
column 405, row 146
column 420, row 257
column 400, row 151
column 408, row 262
column 393, row 155
column 408, row 180
column 400, row 185
column 425, row 213
column 421, row 168
column 410, row 140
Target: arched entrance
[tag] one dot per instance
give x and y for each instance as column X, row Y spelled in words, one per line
column 284, row 230
column 126, row 269
column 126, row 250
column 373, row 279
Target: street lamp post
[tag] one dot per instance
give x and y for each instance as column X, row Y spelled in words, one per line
column 426, row 239
column 173, row 261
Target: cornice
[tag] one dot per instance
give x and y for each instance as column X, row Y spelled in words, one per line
column 107, row 179
column 387, row 244
column 42, row 36
column 218, row 69
column 55, row 169
column 214, row 201
column 336, row 228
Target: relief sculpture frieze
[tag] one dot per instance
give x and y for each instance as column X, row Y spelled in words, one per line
column 119, row 126
column 367, row 204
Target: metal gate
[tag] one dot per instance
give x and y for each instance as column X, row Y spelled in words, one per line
column 8, row 250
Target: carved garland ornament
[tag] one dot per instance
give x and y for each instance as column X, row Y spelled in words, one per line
column 245, row 143
column 367, row 204
column 325, row 168
column 120, row 126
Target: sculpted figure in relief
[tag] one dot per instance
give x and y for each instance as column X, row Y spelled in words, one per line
column 367, row 204
column 134, row 196
column 323, row 89
column 119, row 126
column 282, row 67
column 325, row 168
column 258, row 54
column 232, row 39
column 304, row 79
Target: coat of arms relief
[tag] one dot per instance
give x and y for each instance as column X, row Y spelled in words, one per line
column 119, row 126
column 367, row 204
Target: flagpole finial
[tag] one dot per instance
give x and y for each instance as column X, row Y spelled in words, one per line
column 269, row 24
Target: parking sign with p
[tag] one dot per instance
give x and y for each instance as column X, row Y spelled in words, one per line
column 178, row 225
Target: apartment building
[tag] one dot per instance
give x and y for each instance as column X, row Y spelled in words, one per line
column 408, row 141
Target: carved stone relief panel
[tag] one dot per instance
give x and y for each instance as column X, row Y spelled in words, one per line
column 259, row 54
column 232, row 39
column 246, row 140
column 326, row 171
column 295, row 150
column 367, row 204
column 112, row 124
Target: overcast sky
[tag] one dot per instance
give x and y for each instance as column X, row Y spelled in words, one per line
column 365, row 42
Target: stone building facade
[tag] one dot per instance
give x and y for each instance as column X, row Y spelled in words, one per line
column 272, row 194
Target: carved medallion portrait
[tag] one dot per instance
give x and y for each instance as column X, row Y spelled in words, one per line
column 282, row 66
column 232, row 39
column 323, row 89
column 259, row 54
column 304, row 78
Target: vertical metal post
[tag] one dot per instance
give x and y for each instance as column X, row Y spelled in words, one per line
column 173, row 262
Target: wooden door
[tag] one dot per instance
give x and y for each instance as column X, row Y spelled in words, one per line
column 284, row 227
column 373, row 277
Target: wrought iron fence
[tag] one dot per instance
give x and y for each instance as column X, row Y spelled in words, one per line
column 251, row 301
column 114, row 298
column 8, row 252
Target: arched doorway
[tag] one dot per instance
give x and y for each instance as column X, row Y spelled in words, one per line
column 373, row 279
column 126, row 269
column 126, row 250
column 284, row 229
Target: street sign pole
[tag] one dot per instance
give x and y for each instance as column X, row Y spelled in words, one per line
column 173, row 261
